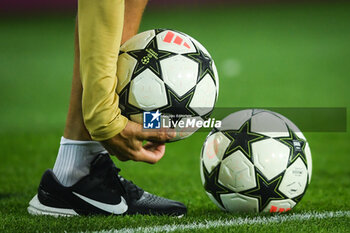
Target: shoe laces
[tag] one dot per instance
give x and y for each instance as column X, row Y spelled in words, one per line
column 132, row 190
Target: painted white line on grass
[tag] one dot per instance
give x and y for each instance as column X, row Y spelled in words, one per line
column 233, row 222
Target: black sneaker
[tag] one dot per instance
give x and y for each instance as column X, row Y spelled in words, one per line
column 102, row 192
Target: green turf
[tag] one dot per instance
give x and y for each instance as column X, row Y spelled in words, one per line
column 289, row 56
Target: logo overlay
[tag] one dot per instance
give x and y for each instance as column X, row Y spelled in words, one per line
column 155, row 120
column 151, row 120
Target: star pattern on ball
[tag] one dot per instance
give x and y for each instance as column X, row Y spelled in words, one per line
column 149, row 58
column 126, row 108
column 205, row 63
column 242, row 139
column 296, row 145
column 212, row 185
column 266, row 191
column 178, row 105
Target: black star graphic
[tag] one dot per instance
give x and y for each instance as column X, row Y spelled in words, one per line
column 126, row 108
column 212, row 185
column 178, row 105
column 149, row 58
column 204, row 63
column 266, row 190
column 241, row 140
column 296, row 145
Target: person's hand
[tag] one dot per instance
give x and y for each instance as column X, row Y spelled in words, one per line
column 128, row 144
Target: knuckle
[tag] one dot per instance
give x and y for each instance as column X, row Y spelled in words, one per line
column 133, row 154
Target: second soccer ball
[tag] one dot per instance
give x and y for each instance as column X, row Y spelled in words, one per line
column 257, row 161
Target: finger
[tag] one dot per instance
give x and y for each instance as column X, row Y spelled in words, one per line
column 152, row 146
column 152, row 154
column 160, row 136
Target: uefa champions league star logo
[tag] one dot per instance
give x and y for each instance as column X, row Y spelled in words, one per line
column 151, row 120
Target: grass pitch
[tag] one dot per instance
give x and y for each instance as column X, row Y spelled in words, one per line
column 273, row 55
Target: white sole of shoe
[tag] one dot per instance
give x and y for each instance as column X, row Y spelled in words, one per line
column 36, row 208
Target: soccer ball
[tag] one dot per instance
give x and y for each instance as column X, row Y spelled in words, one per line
column 257, row 161
column 168, row 71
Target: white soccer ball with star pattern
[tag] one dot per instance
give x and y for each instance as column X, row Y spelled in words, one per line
column 257, row 161
column 168, row 71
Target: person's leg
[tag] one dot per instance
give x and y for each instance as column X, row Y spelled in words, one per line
column 75, row 128
column 77, row 150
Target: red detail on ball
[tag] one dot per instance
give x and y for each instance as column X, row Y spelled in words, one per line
column 273, row 209
column 168, row 37
column 186, row 45
column 178, row 40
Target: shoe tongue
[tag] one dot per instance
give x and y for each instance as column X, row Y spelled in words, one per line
column 101, row 163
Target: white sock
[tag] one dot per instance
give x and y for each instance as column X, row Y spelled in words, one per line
column 74, row 158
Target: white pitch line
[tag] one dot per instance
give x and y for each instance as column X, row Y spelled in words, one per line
column 233, row 222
